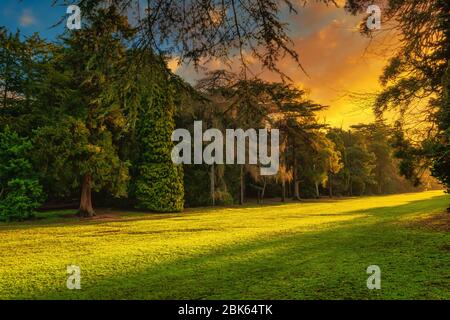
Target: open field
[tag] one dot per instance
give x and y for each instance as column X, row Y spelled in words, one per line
column 309, row 250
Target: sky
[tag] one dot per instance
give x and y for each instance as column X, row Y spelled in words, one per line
column 340, row 62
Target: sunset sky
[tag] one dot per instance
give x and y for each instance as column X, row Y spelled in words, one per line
column 337, row 58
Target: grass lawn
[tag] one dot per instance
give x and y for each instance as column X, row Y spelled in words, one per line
column 309, row 250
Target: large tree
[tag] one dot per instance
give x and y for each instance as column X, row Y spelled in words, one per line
column 158, row 182
column 97, row 59
column 416, row 79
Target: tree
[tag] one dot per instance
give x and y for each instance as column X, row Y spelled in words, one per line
column 11, row 79
column 357, row 160
column 295, row 116
column 416, row 78
column 97, row 59
column 378, row 141
column 236, row 103
column 24, row 64
column 159, row 182
column 334, row 166
column 320, row 159
column 441, row 148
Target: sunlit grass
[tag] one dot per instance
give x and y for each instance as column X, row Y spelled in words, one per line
column 317, row 249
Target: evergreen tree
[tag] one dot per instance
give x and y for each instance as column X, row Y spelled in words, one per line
column 159, row 182
column 97, row 59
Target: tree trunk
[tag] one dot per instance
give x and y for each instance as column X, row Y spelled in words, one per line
column 351, row 187
column 213, row 198
column 263, row 190
column 283, row 191
column 330, row 181
column 295, row 174
column 317, row 190
column 297, row 190
column 241, row 198
column 86, row 209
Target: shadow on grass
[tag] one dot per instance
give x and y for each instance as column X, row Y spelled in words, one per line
column 62, row 219
column 325, row 264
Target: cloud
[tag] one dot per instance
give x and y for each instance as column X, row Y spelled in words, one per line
column 27, row 19
column 340, row 62
column 336, row 56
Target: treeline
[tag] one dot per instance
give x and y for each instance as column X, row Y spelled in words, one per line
column 90, row 116
column 315, row 159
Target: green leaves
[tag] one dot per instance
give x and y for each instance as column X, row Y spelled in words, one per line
column 22, row 198
column 159, row 182
column 20, row 191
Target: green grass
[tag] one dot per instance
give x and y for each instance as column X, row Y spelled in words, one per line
column 309, row 250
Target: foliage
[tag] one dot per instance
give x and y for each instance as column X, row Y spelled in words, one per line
column 97, row 59
column 159, row 182
column 415, row 82
column 20, row 192
column 195, row 188
column 99, row 109
column 199, row 30
column 23, row 197
column 24, row 69
column 441, row 154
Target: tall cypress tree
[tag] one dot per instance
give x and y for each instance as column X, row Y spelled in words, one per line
column 159, row 182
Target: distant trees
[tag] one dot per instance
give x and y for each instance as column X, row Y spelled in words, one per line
column 236, row 103
column 369, row 161
column 315, row 160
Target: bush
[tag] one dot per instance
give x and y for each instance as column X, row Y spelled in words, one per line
column 22, row 198
column 20, row 191
column 223, row 198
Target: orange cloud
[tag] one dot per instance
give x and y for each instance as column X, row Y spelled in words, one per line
column 338, row 59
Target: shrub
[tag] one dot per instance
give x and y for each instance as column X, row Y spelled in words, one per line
column 20, row 191
column 223, row 198
column 23, row 196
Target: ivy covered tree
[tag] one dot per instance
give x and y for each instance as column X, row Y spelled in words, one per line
column 158, row 182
